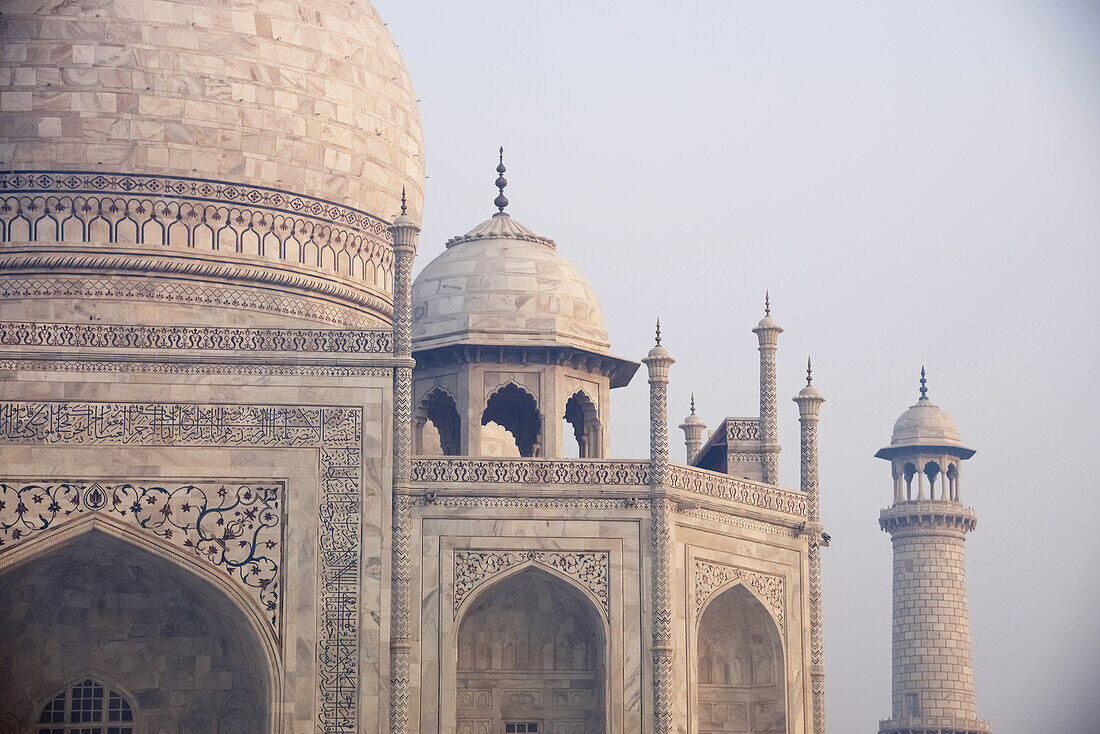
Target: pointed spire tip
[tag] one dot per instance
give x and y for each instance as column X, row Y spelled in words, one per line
column 658, row 331
column 923, row 384
column 404, row 205
column 767, row 303
column 809, row 372
column 501, row 201
column 693, row 403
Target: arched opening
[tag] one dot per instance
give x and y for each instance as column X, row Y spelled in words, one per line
column 932, row 471
column 581, row 422
column 740, row 671
column 180, row 646
column 514, row 409
column 953, row 482
column 86, row 706
column 531, row 650
column 910, row 472
column 437, row 425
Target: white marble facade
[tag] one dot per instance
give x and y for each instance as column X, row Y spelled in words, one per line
column 217, row 504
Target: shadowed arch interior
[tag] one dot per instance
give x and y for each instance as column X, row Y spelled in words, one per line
column 515, row 409
column 740, row 671
column 439, row 409
column 180, row 646
column 580, row 415
column 531, row 649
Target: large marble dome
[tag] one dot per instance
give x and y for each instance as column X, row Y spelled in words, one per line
column 237, row 156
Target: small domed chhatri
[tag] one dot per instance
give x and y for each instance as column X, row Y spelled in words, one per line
column 502, row 284
column 926, row 425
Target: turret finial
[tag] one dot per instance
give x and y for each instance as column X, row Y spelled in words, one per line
column 923, row 384
column 658, row 331
column 404, row 206
column 767, row 304
column 809, row 372
column 501, row 201
column 693, row 403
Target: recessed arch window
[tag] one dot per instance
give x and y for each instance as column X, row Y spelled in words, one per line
column 87, row 707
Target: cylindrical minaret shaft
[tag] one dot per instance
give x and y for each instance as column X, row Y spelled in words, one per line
column 809, row 405
column 933, row 672
column 405, row 234
column 693, row 428
column 768, row 331
column 658, row 361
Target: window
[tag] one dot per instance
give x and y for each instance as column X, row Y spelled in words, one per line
column 88, row 707
column 520, row 727
column 912, row 704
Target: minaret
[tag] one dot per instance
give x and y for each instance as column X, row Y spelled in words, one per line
column 933, row 672
column 405, row 234
column 809, row 406
column 693, row 428
column 768, row 331
column 661, row 536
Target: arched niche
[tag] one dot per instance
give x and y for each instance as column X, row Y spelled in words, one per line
column 532, row 648
column 437, row 425
column 514, row 409
column 178, row 644
column 739, row 667
column 582, row 421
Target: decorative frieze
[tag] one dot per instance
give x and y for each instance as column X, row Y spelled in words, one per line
column 532, row 471
column 711, row 576
column 742, row 429
column 236, row 527
column 590, row 569
column 201, row 338
column 712, row 484
column 173, row 368
column 337, row 434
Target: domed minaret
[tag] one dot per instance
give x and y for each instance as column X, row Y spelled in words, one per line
column 933, row 672
column 693, row 428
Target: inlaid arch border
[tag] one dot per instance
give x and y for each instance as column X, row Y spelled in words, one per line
column 710, row 579
column 45, row 543
column 478, row 569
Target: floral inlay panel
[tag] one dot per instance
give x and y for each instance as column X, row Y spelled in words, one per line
column 336, row 432
column 236, row 527
column 472, row 568
column 710, row 576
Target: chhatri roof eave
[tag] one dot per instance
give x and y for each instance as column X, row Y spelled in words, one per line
column 501, row 226
column 620, row 371
column 918, row 447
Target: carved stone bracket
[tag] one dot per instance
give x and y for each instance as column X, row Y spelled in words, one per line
column 337, row 434
column 710, row 576
column 472, row 568
column 236, row 527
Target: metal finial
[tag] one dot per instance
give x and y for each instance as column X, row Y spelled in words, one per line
column 501, row 201
column 809, row 372
column 693, row 403
column 658, row 331
column 923, row 384
column 767, row 304
column 404, row 206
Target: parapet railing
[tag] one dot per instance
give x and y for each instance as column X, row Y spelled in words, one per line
column 592, row 472
column 606, row 473
column 743, row 491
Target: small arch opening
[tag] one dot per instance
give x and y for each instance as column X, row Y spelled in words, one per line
column 581, row 428
column 953, row 482
column 909, row 473
column 87, row 705
column 515, row 410
column 437, row 425
column 932, row 471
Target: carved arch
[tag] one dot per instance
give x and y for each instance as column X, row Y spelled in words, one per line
column 516, row 408
column 199, row 572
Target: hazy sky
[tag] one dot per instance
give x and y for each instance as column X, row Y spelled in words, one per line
column 916, row 183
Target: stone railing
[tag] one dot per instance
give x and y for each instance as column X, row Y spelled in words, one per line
column 742, row 491
column 592, row 472
column 905, row 724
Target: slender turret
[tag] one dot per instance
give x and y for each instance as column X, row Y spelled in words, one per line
column 933, row 672
column 693, row 428
column 768, row 331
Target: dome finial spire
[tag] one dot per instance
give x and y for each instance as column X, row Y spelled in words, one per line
column 809, row 372
column 404, row 206
column 693, row 403
column 767, row 303
column 501, row 201
column 658, row 331
column 923, row 384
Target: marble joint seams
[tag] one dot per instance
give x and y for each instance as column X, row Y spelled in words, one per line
column 336, row 433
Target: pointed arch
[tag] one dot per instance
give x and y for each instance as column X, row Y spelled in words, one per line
column 534, row 626
column 85, row 701
column 582, row 417
column 152, row 560
column 439, row 408
column 516, row 410
column 739, row 664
